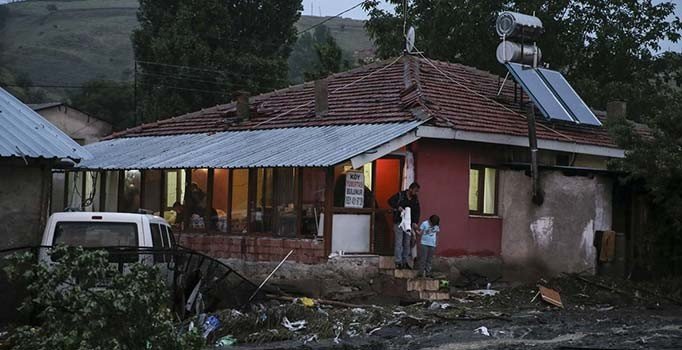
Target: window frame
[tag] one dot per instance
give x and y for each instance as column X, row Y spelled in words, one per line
column 481, row 190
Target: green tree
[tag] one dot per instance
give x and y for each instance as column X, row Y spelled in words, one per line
column 84, row 302
column 654, row 161
column 107, row 100
column 232, row 45
column 316, row 55
column 604, row 47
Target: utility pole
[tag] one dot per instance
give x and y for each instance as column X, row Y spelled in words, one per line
column 135, row 94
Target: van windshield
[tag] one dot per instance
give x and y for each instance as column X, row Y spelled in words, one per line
column 96, row 234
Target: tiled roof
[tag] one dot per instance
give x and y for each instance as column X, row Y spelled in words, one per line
column 402, row 89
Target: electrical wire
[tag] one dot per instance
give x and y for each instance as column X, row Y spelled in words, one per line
column 334, row 91
column 330, row 18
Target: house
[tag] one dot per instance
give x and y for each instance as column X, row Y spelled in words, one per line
column 30, row 147
column 311, row 168
column 80, row 126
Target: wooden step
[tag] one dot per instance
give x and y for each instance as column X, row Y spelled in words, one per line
column 423, row 284
column 432, row 296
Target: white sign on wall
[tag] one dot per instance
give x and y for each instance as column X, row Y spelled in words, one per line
column 355, row 190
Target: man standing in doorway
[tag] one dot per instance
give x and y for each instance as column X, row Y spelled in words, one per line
column 403, row 233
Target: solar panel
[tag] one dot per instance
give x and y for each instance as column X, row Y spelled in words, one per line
column 543, row 97
column 570, row 98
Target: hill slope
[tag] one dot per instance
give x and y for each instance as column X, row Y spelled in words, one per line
column 69, row 42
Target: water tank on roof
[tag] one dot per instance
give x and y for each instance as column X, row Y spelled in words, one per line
column 514, row 25
column 508, row 51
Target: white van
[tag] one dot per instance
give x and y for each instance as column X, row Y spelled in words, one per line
column 129, row 232
column 99, row 229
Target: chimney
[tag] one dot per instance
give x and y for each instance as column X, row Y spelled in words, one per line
column 321, row 98
column 243, row 108
column 616, row 110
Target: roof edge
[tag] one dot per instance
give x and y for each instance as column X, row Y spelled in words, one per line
column 510, row 140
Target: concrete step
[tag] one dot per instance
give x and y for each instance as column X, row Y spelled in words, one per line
column 406, row 274
column 432, row 296
column 386, row 263
column 423, row 284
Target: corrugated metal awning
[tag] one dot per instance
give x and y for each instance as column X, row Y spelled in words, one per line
column 291, row 147
column 25, row 133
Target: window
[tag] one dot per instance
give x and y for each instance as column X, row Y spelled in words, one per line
column 152, row 190
column 261, row 205
column 286, row 218
column 240, row 200
column 312, row 200
column 131, row 192
column 95, row 234
column 196, row 200
column 220, row 199
column 175, row 195
column 482, row 190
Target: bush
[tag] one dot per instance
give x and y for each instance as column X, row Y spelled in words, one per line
column 83, row 302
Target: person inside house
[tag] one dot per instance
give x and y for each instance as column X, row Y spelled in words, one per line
column 178, row 209
column 196, row 200
column 405, row 205
column 429, row 230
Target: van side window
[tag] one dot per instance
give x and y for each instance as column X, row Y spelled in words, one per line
column 157, row 240
column 169, row 233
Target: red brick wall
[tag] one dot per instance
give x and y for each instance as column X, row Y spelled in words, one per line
column 306, row 251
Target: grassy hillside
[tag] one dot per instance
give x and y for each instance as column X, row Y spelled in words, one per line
column 70, row 42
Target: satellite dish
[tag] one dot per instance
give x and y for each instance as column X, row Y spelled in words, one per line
column 409, row 41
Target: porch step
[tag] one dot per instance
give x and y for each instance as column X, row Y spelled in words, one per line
column 386, row 263
column 401, row 274
column 423, row 284
column 433, row 296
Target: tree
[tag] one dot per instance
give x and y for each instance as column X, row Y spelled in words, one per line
column 222, row 46
column 604, row 47
column 315, row 56
column 655, row 162
column 84, row 302
column 107, row 100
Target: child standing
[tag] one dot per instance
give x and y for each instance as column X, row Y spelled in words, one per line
column 429, row 229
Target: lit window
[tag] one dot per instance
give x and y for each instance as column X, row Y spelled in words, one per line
column 482, row 190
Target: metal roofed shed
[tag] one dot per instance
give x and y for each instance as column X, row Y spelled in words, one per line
column 24, row 133
column 288, row 147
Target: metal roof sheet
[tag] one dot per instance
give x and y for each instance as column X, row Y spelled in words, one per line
column 288, row 147
column 24, row 133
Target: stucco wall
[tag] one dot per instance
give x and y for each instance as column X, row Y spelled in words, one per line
column 558, row 235
column 77, row 125
column 23, row 203
column 442, row 170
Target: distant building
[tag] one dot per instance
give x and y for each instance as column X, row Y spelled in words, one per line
column 30, row 147
column 81, row 127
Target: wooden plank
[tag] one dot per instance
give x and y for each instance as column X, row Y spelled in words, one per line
column 551, row 296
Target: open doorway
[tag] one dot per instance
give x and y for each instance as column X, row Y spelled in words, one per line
column 388, row 181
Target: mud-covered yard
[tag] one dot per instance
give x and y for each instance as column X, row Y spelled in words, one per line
column 628, row 316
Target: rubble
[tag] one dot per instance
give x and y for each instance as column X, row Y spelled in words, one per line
column 512, row 319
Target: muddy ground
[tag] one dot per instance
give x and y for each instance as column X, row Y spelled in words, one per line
column 631, row 316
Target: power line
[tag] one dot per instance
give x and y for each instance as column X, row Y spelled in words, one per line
column 330, row 18
column 118, row 87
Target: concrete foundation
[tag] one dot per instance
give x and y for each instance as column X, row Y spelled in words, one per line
column 558, row 235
